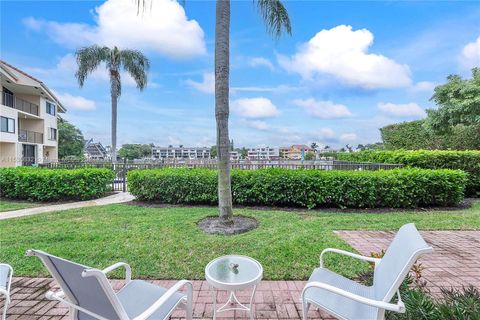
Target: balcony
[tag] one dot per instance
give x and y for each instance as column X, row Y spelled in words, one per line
column 30, row 136
column 12, row 101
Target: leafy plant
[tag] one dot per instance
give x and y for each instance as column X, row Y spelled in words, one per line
column 468, row 161
column 400, row 188
column 41, row 184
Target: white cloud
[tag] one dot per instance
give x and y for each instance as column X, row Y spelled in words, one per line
column 163, row 28
column 323, row 109
column 255, row 108
column 75, row 102
column 423, row 86
column 277, row 89
column 343, row 53
column 257, row 124
column 348, row 137
column 401, row 110
column 261, row 62
column 207, row 85
column 470, row 56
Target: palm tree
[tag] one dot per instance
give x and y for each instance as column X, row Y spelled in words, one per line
column 277, row 22
column 132, row 61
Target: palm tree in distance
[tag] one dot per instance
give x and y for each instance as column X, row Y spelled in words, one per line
column 277, row 22
column 131, row 61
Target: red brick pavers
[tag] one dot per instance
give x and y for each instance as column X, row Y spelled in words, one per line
column 273, row 300
column 455, row 261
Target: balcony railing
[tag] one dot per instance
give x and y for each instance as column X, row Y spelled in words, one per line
column 10, row 100
column 30, row 136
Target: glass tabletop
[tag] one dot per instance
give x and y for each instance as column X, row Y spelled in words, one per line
column 234, row 269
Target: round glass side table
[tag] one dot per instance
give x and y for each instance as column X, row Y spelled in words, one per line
column 233, row 273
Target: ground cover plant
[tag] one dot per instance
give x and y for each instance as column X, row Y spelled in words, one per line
column 400, row 188
column 41, row 184
column 165, row 243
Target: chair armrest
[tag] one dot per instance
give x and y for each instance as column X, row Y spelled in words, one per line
column 350, row 254
column 399, row 307
column 157, row 304
column 128, row 270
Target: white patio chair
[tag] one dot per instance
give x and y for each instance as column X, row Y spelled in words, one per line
column 6, row 273
column 90, row 295
column 347, row 299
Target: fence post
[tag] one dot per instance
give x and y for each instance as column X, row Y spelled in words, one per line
column 125, row 174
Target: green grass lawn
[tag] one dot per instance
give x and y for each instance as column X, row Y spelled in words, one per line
column 9, row 205
column 166, row 243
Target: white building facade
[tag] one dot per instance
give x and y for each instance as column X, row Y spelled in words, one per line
column 263, row 153
column 28, row 116
column 180, row 153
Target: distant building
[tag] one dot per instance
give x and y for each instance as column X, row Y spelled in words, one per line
column 180, row 153
column 263, row 153
column 234, row 155
column 95, row 151
column 295, row 151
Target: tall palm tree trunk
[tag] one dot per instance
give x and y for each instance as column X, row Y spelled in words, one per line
column 222, row 70
column 114, row 92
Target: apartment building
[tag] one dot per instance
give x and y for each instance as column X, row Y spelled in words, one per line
column 181, row 153
column 295, row 152
column 28, row 114
column 263, row 153
column 95, row 151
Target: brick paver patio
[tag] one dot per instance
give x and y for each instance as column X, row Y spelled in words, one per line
column 273, row 300
column 455, row 261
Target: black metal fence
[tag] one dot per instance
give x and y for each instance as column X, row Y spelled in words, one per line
column 121, row 168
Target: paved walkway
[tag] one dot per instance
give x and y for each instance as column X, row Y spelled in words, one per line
column 117, row 197
column 455, row 261
column 273, row 300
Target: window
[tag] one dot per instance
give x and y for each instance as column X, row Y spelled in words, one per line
column 8, row 125
column 50, row 108
column 52, row 134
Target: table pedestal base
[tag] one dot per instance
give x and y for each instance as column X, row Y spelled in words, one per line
column 233, row 300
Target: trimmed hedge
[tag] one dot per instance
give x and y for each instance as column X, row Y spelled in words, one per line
column 468, row 161
column 399, row 188
column 41, row 184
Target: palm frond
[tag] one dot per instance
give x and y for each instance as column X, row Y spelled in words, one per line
column 275, row 16
column 137, row 65
column 88, row 59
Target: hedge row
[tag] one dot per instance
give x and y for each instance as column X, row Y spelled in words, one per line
column 468, row 161
column 400, row 188
column 41, row 184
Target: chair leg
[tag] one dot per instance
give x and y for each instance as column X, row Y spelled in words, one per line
column 4, row 313
column 305, row 307
column 189, row 309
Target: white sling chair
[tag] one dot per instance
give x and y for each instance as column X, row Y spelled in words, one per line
column 6, row 273
column 89, row 294
column 347, row 299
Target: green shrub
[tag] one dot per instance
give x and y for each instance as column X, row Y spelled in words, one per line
column 468, row 161
column 412, row 135
column 400, row 188
column 40, row 184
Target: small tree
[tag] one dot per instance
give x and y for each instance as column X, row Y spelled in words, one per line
column 458, row 103
column 70, row 140
column 309, row 156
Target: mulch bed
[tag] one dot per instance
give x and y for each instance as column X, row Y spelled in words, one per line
column 466, row 203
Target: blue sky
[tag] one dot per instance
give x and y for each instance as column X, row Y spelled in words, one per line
column 348, row 69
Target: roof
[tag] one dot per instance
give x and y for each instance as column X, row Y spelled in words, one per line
column 22, row 78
